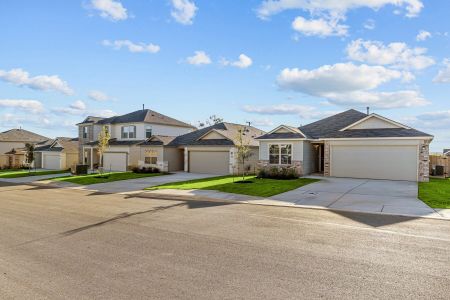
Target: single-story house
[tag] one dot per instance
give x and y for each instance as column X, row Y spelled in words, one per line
column 12, row 146
column 210, row 150
column 57, row 154
column 350, row 144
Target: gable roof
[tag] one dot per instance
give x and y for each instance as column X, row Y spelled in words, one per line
column 294, row 133
column 376, row 116
column 229, row 130
column 21, row 135
column 158, row 140
column 90, row 120
column 144, row 115
column 59, row 144
column 332, row 127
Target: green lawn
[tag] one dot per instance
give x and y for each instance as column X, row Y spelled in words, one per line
column 106, row 177
column 435, row 193
column 259, row 186
column 11, row 173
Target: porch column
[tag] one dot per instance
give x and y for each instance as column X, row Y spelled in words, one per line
column 186, row 159
column 92, row 159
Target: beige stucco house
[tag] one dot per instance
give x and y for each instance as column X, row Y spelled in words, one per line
column 60, row 153
column 210, row 150
column 350, row 144
column 12, row 146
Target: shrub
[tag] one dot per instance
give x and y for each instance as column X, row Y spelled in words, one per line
column 278, row 172
column 145, row 170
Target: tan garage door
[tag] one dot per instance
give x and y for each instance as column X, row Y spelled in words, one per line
column 116, row 162
column 209, row 162
column 374, row 162
column 52, row 162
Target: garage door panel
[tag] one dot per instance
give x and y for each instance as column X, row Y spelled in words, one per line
column 375, row 162
column 116, row 162
column 52, row 162
column 209, row 162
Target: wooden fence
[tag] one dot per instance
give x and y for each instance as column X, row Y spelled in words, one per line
column 440, row 160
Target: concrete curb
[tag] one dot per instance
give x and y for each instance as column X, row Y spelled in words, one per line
column 167, row 196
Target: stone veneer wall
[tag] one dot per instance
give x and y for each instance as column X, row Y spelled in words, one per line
column 424, row 161
column 296, row 163
column 326, row 159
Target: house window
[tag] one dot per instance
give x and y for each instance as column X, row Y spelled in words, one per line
column 280, row 154
column 150, row 160
column 148, row 131
column 274, row 154
column 128, row 132
column 85, row 132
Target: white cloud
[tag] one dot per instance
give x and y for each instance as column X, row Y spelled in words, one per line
column 132, row 47
column 243, row 62
column 303, row 111
column 369, row 24
column 98, row 96
column 110, row 9
column 350, row 84
column 79, row 105
column 33, row 106
column 261, row 122
column 20, row 77
column 335, row 7
column 341, row 77
column 423, row 35
column 443, row 75
column 199, row 58
column 319, row 27
column 398, row 55
column 183, row 11
column 105, row 113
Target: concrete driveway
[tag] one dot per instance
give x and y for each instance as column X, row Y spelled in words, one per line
column 132, row 185
column 363, row 195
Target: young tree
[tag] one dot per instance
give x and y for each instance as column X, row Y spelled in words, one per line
column 212, row 120
column 243, row 148
column 103, row 143
column 29, row 154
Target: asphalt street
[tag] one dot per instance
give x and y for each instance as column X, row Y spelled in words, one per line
column 70, row 244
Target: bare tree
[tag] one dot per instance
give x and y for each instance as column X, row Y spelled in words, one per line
column 243, row 148
column 103, row 143
column 212, row 120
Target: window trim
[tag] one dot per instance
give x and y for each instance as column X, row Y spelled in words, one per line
column 85, row 133
column 279, row 153
column 151, row 131
column 127, row 137
column 156, row 160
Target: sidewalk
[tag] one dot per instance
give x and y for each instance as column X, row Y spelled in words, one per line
column 210, row 195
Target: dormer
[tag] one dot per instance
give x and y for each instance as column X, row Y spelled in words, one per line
column 374, row 121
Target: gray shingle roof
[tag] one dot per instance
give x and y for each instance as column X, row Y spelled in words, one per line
column 330, row 128
column 229, row 130
column 68, row 145
column 115, row 142
column 144, row 115
column 281, row 135
column 21, row 135
column 158, row 140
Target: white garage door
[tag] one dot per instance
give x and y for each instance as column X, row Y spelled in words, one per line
column 116, row 162
column 374, row 162
column 209, row 162
column 52, row 162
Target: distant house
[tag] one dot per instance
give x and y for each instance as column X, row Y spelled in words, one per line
column 350, row 144
column 446, row 152
column 12, row 146
column 127, row 133
column 210, row 150
column 57, row 154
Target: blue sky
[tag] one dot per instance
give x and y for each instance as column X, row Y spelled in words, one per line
column 268, row 62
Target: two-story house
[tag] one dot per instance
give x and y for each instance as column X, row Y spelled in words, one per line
column 127, row 133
